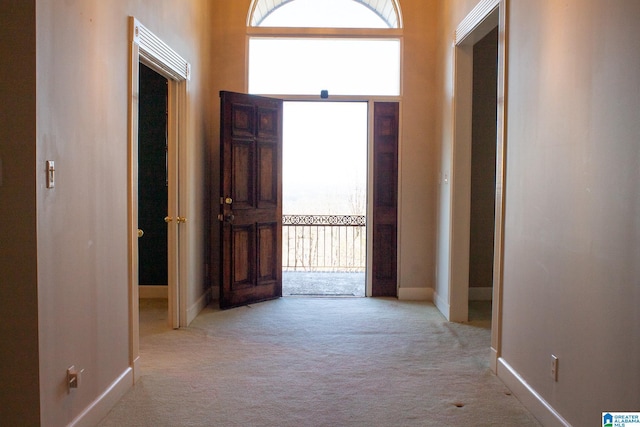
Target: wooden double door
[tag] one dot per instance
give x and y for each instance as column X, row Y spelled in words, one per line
column 251, row 199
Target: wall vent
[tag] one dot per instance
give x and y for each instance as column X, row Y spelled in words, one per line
column 155, row 53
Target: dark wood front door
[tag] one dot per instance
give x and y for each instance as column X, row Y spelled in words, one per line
column 251, row 199
column 385, row 200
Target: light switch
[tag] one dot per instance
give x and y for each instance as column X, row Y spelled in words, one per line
column 51, row 177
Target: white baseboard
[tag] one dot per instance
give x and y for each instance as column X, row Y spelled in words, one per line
column 197, row 307
column 100, row 407
column 136, row 370
column 442, row 305
column 481, row 294
column 539, row 407
column 153, row 291
column 415, row 294
column 493, row 360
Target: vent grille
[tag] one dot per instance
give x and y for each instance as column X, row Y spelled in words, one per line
column 475, row 18
column 159, row 54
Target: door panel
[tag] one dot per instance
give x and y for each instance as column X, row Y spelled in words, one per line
column 251, row 204
column 268, row 182
column 267, row 247
column 243, row 256
column 243, row 179
column 385, row 199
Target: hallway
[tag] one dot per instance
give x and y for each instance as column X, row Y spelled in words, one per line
column 300, row 361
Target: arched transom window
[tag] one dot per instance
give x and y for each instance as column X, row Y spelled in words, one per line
column 353, row 47
column 325, row 13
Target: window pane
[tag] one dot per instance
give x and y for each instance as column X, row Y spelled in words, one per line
column 324, row 158
column 341, row 66
column 324, row 13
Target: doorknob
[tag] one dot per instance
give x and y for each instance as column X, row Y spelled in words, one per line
column 228, row 200
column 181, row 219
column 140, row 233
column 168, row 219
column 229, row 218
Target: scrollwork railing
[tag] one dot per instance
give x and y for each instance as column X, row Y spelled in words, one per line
column 337, row 220
column 324, row 242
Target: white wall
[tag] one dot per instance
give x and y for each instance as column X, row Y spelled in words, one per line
column 572, row 226
column 82, row 88
column 572, row 231
column 418, row 148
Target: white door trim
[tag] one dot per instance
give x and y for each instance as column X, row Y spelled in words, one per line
column 147, row 48
column 483, row 18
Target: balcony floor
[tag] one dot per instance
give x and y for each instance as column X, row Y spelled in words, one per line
column 323, row 284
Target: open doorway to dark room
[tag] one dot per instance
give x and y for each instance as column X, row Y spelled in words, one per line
column 152, row 190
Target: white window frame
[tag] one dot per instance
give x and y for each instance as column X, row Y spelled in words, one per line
column 315, row 33
column 376, row 33
column 367, row 3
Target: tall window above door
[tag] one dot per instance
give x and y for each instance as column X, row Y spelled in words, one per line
column 306, row 66
column 344, row 47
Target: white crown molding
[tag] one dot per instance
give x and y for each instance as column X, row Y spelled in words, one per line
column 157, row 53
column 479, row 13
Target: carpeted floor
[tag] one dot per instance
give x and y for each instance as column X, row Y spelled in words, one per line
column 300, row 361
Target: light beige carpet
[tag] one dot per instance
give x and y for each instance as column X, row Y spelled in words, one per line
column 317, row 362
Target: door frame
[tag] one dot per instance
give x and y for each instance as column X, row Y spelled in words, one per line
column 370, row 100
column 487, row 15
column 147, row 48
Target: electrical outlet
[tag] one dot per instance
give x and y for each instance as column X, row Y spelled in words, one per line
column 554, row 367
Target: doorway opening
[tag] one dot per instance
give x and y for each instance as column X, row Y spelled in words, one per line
column 486, row 23
column 146, row 48
column 483, row 175
column 324, row 198
column 153, row 182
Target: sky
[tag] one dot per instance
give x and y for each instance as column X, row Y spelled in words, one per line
column 324, row 157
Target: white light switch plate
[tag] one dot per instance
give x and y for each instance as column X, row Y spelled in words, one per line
column 51, row 178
